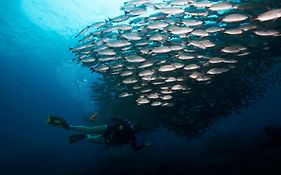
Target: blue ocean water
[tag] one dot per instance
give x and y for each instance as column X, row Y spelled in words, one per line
column 38, row 78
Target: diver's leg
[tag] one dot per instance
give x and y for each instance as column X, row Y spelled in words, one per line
column 96, row 139
column 95, row 130
column 100, row 129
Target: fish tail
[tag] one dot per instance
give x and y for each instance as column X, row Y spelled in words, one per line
column 155, row 7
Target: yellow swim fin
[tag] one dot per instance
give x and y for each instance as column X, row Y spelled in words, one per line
column 58, row 122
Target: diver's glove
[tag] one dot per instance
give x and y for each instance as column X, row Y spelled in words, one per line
column 58, row 122
column 76, row 137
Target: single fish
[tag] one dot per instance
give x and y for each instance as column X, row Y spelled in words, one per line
column 221, row 6
column 124, row 94
column 231, row 49
column 166, row 97
column 236, row 31
column 143, row 101
column 146, row 73
column 132, row 36
column 234, row 18
column 130, row 80
column 214, row 29
column 267, row 32
column 171, row 10
column 156, row 103
column 177, row 87
column 120, row 18
column 191, row 67
column 135, row 59
column 83, row 31
column 202, row 4
column 191, row 22
column 215, row 71
column 93, row 117
column 157, row 25
column 167, row 68
column 126, row 73
column 101, row 68
column 270, row 15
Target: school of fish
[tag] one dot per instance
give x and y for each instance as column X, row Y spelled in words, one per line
column 156, row 48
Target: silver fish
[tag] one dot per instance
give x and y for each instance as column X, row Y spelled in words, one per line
column 234, row 18
column 270, row 15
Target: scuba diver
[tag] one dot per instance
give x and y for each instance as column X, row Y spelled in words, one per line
column 117, row 133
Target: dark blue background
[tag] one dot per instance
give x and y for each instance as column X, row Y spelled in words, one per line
column 38, row 78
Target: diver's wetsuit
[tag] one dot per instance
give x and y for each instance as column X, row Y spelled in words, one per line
column 121, row 132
